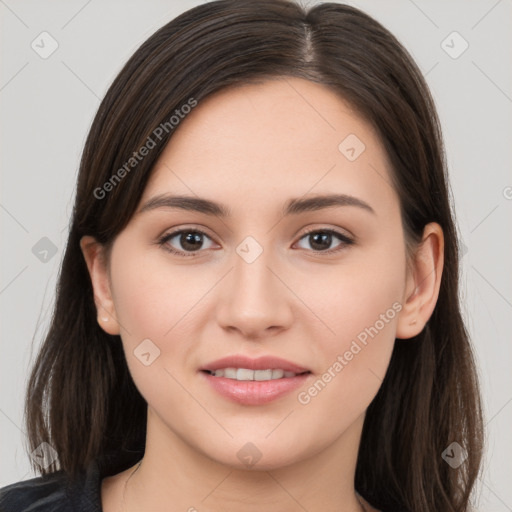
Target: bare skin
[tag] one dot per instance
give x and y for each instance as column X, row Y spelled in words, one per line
column 253, row 149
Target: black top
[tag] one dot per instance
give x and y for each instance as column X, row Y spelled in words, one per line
column 55, row 493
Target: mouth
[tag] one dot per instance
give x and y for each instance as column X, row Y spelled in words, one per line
column 258, row 381
column 246, row 374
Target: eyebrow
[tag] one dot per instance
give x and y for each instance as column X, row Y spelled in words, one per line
column 292, row 207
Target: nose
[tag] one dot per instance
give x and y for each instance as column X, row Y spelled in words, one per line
column 254, row 299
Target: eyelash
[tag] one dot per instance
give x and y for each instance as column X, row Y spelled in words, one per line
column 162, row 241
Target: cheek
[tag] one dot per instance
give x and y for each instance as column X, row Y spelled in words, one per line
column 360, row 307
column 354, row 295
column 158, row 302
column 152, row 297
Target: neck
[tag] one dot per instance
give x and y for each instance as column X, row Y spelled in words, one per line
column 175, row 474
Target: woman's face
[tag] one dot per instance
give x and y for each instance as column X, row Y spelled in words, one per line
column 256, row 284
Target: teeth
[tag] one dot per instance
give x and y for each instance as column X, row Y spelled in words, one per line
column 229, row 373
column 277, row 374
column 258, row 375
column 243, row 374
column 262, row 374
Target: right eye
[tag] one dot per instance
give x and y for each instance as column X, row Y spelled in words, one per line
column 189, row 241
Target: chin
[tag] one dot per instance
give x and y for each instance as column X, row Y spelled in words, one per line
column 255, row 455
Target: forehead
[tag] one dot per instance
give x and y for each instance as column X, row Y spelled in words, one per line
column 287, row 136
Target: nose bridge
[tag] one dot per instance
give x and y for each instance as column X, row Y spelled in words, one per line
column 253, row 299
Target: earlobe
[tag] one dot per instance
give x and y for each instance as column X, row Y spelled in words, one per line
column 423, row 283
column 96, row 265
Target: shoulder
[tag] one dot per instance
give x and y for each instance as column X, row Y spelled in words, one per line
column 54, row 493
column 37, row 494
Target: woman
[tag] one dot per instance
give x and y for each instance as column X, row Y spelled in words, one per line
column 258, row 304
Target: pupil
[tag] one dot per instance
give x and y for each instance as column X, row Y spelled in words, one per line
column 321, row 240
column 193, row 240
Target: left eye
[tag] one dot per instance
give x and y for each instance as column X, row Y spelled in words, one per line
column 321, row 240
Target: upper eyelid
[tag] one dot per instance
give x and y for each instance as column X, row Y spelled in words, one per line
column 330, row 230
column 308, row 230
column 178, row 230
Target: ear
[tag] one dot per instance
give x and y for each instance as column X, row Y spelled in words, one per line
column 422, row 283
column 95, row 259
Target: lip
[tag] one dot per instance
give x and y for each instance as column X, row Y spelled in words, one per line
column 259, row 363
column 254, row 392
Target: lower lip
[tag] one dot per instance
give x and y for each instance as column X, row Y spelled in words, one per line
column 253, row 392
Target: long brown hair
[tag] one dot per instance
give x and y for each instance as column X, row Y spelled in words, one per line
column 81, row 398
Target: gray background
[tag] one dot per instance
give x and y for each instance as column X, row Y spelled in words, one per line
column 48, row 105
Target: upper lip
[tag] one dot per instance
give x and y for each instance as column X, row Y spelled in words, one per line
column 259, row 363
